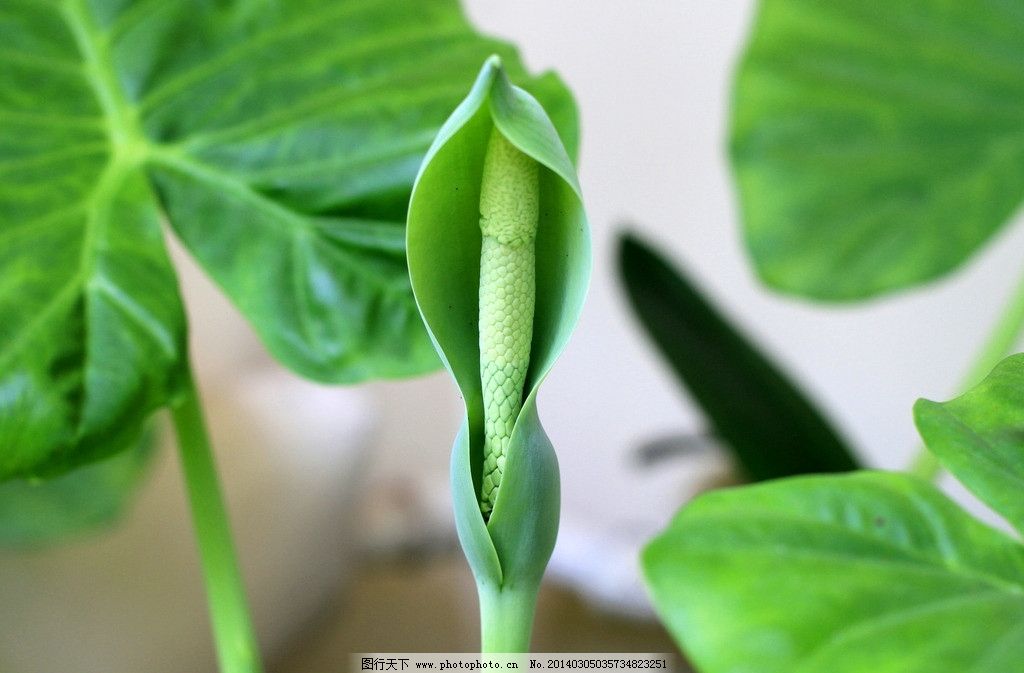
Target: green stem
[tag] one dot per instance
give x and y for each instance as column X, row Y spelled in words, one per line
column 506, row 618
column 235, row 640
column 999, row 344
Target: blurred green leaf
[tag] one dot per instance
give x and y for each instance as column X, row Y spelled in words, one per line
column 877, row 144
column 846, row 574
column 45, row 512
column 280, row 139
column 979, row 437
column 773, row 429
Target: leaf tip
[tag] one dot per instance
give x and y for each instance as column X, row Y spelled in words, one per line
column 630, row 244
column 922, row 407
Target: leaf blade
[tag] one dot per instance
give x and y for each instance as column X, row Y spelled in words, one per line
column 876, row 146
column 801, row 574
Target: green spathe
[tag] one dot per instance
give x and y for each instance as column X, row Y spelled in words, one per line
column 508, row 552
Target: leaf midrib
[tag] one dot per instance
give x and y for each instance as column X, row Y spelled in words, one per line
column 131, row 148
column 128, row 149
column 128, row 145
column 121, row 118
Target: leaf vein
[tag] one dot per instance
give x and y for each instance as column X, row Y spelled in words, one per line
column 892, row 618
column 254, row 45
column 132, row 310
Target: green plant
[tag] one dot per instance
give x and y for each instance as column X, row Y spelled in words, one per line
column 867, row 572
column 279, row 141
column 876, row 146
column 769, row 425
column 500, row 143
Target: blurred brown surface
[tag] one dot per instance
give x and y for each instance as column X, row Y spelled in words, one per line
column 430, row 606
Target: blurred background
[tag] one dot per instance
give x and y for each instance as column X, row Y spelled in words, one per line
column 339, row 496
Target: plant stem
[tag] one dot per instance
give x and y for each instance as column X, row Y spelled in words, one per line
column 234, row 638
column 506, row 618
column 999, row 344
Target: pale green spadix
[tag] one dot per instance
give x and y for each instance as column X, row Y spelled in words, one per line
column 508, row 222
column 499, row 259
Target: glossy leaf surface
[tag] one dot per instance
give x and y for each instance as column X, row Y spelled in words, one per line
column 771, row 426
column 979, row 437
column 877, row 144
column 846, row 574
column 279, row 139
column 444, row 241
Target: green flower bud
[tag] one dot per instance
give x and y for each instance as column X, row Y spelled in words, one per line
column 499, row 260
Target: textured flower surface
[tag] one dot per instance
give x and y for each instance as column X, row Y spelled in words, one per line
column 509, row 202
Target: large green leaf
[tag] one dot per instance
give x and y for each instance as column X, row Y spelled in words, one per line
column 773, row 429
column 869, row 572
column 979, row 437
column 877, row 144
column 279, row 138
column 512, row 547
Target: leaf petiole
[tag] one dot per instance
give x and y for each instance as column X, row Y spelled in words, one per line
column 234, row 637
